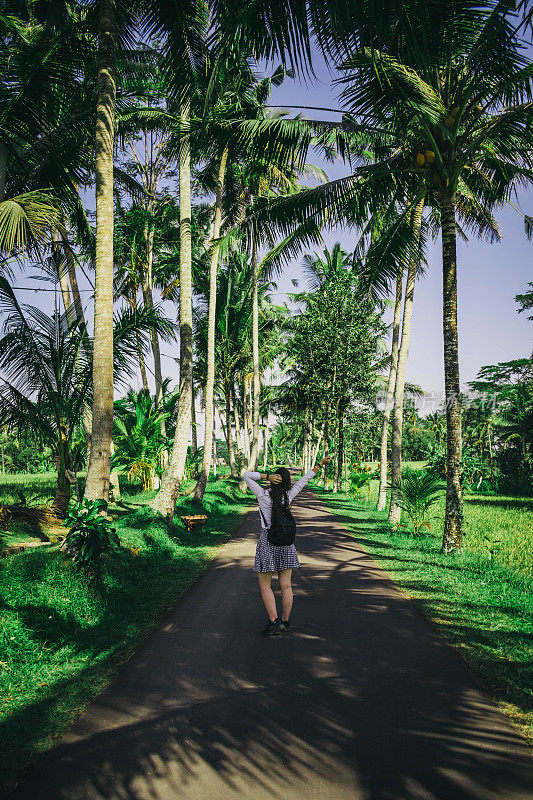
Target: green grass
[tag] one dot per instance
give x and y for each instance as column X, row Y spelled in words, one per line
column 60, row 643
column 482, row 607
column 40, row 486
column 502, row 524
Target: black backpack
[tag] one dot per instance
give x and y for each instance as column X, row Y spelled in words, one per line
column 282, row 531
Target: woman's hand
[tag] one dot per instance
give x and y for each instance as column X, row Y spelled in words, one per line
column 274, row 478
column 320, row 464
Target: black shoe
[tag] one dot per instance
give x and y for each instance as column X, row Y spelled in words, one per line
column 285, row 626
column 272, row 629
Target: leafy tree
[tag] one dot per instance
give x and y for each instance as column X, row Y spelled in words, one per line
column 335, row 343
column 525, row 300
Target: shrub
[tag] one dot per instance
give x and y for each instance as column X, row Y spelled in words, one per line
column 420, row 491
column 91, row 537
column 358, row 482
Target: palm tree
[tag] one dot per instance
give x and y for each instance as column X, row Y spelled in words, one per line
column 181, row 27
column 165, row 502
column 239, row 98
column 25, row 222
column 210, row 376
column 47, row 368
column 47, row 380
column 439, row 108
column 97, row 485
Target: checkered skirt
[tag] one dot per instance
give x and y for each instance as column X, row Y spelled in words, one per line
column 270, row 558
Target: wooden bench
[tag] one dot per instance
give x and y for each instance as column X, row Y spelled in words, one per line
column 194, row 521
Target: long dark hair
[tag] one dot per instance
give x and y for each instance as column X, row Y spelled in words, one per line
column 278, row 491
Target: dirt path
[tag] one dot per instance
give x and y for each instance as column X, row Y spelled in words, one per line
column 362, row 701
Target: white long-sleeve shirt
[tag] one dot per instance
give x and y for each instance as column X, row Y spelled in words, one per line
column 263, row 495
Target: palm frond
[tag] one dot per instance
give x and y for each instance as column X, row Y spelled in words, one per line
column 25, row 221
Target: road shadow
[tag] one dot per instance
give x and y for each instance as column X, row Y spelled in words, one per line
column 364, row 701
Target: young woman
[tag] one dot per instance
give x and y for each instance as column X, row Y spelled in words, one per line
column 270, row 558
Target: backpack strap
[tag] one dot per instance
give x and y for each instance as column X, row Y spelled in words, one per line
column 263, row 520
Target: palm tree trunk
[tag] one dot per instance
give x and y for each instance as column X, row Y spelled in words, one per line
column 238, row 438
column 97, row 485
column 165, row 502
column 229, row 436
column 335, row 451
column 247, row 419
column 63, row 488
column 305, row 447
column 215, row 457
column 382, row 496
column 315, row 449
column 194, row 430
column 265, row 443
column 246, row 415
column 211, row 323
column 71, row 270
column 63, row 280
column 395, row 510
column 326, row 447
column 140, row 353
column 142, row 364
column 340, row 449
column 453, row 534
column 254, row 451
column 147, row 288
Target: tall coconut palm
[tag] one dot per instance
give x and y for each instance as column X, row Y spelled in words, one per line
column 238, row 97
column 263, row 177
column 97, row 486
column 210, row 376
column 449, row 104
column 165, row 502
column 181, row 29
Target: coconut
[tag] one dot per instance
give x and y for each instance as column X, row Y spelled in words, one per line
column 420, row 160
column 430, row 156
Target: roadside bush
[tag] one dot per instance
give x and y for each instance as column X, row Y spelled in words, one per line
column 91, row 538
column 420, row 491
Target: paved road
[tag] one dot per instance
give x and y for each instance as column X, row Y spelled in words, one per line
column 362, row 702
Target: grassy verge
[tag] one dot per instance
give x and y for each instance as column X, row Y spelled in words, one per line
column 482, row 608
column 499, row 525
column 60, row 644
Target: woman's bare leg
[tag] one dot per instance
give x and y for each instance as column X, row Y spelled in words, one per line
column 285, row 576
column 267, row 594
